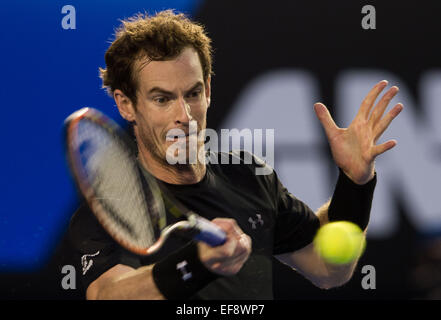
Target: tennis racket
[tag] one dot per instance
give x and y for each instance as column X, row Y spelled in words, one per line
column 128, row 202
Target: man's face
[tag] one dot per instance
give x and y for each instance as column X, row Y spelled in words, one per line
column 170, row 94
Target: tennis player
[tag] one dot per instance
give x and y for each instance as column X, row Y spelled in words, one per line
column 158, row 70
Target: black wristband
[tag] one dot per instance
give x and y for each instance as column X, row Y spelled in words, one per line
column 352, row 202
column 182, row 274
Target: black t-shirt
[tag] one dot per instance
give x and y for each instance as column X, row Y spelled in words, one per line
column 276, row 221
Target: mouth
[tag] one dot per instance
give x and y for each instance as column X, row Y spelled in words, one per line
column 175, row 137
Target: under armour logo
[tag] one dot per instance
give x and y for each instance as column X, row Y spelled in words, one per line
column 87, row 264
column 181, row 266
column 255, row 222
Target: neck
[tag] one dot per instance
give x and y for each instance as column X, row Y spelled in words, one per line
column 173, row 174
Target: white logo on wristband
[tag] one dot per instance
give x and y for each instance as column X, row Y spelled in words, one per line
column 181, row 266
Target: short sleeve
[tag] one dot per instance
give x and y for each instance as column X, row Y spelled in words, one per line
column 296, row 224
column 93, row 251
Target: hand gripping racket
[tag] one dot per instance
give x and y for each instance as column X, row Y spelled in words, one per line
column 129, row 203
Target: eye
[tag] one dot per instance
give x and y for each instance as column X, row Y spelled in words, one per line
column 195, row 94
column 161, row 99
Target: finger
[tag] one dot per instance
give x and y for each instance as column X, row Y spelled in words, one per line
column 230, row 225
column 223, row 261
column 236, row 261
column 244, row 245
column 369, row 100
column 241, row 253
column 232, row 264
column 237, row 241
column 325, row 119
column 225, row 251
column 387, row 119
column 237, row 230
column 225, row 224
column 245, row 240
column 382, row 148
column 221, row 221
column 234, row 246
column 229, row 267
column 382, row 104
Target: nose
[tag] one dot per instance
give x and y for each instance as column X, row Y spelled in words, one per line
column 184, row 114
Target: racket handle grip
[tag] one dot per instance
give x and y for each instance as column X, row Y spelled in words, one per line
column 209, row 233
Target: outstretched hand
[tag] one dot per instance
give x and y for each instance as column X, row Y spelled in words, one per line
column 354, row 148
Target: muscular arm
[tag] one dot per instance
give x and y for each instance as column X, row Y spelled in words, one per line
column 123, row 282
column 313, row 267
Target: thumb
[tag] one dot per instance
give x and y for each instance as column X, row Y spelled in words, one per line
column 325, row 118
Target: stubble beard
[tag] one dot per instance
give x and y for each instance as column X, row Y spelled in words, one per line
column 151, row 145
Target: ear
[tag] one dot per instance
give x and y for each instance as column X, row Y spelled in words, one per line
column 125, row 105
column 208, row 91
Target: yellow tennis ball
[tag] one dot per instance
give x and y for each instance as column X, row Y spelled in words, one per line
column 340, row 242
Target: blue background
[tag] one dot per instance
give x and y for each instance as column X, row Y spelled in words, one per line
column 47, row 73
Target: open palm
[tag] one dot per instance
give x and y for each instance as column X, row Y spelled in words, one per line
column 354, row 148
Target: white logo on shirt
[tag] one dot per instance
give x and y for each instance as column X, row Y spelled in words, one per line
column 87, row 264
column 255, row 222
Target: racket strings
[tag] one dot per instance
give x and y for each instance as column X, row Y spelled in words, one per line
column 114, row 177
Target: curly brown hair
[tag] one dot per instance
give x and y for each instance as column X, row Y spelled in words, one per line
column 157, row 38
